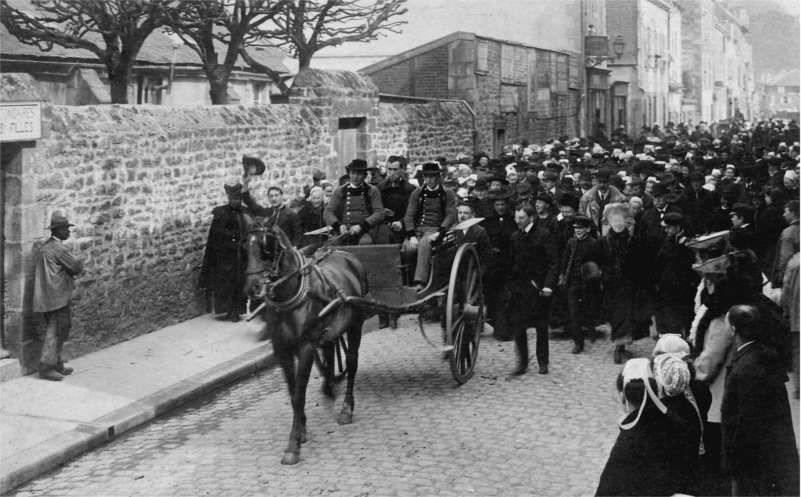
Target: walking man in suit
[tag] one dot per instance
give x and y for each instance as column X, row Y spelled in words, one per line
column 533, row 275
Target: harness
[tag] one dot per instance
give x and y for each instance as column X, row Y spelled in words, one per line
column 271, row 271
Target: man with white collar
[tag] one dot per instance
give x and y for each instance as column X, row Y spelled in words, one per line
column 532, row 277
column 53, row 284
column 758, row 438
column 431, row 209
column 355, row 208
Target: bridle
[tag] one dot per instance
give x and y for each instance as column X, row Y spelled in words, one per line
column 269, row 271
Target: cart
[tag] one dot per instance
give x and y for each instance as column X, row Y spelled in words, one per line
column 453, row 293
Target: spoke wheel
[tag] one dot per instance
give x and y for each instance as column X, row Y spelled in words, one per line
column 464, row 313
column 340, row 347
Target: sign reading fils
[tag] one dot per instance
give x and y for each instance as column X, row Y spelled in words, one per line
column 20, row 121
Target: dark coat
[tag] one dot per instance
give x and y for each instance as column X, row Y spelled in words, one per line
column 698, row 206
column 624, row 277
column 651, row 231
column 769, row 227
column 674, row 276
column 646, row 460
column 500, row 230
column 395, row 197
column 223, row 263
column 534, row 258
column 478, row 235
column 282, row 216
column 758, row 434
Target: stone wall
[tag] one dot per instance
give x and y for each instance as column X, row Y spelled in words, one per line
column 139, row 183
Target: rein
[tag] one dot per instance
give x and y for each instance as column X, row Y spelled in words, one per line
column 303, row 289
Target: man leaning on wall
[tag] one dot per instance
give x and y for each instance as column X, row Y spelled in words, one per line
column 55, row 268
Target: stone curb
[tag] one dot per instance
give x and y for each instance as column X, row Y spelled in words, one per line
column 67, row 446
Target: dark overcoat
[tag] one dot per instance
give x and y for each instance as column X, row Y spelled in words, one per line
column 758, row 435
column 223, row 263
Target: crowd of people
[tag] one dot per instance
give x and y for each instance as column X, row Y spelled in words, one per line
column 692, row 228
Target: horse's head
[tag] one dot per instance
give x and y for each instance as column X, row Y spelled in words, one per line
column 268, row 249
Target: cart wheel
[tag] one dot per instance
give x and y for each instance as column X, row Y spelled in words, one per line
column 464, row 313
column 340, row 350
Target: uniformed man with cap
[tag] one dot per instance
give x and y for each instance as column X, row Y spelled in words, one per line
column 53, row 284
column 431, row 209
column 674, row 279
column 355, row 208
column 578, row 279
column 222, row 273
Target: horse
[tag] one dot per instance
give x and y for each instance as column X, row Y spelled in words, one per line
column 303, row 308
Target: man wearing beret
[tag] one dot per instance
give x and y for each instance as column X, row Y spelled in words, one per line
column 575, row 281
column 431, row 210
column 55, row 268
column 355, row 208
column 593, row 202
column 533, row 273
column 544, row 204
column 674, row 279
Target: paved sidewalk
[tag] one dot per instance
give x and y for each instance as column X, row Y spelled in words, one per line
column 45, row 423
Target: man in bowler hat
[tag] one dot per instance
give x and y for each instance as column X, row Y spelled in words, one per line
column 223, row 273
column 355, row 208
column 53, row 285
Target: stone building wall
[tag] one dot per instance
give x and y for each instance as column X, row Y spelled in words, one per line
column 139, row 183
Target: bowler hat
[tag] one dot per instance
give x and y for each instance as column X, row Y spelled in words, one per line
column 659, row 189
column 545, row 198
column 502, row 194
column 672, row 219
column 318, row 175
column 58, row 221
column 603, row 173
column 248, row 161
column 523, row 188
column 358, row 165
column 481, row 184
column 472, row 202
column 234, row 190
column 568, row 200
column 743, row 210
column 549, row 175
column 431, row 168
column 696, row 176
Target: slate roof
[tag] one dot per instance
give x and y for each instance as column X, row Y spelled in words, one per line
column 793, row 78
column 157, row 50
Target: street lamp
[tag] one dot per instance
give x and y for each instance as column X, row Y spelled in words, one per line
column 618, row 46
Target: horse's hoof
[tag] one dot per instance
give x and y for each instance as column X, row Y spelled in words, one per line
column 345, row 418
column 290, row 458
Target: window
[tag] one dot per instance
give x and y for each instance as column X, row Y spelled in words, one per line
column 507, row 64
column 482, row 56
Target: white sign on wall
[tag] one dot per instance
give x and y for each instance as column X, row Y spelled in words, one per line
column 20, row 121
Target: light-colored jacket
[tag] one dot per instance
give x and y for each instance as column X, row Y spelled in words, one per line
column 53, row 283
column 710, row 366
column 588, row 205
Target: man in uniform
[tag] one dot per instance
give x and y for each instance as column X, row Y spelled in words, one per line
column 431, row 210
column 55, row 269
column 533, row 275
column 581, row 249
column 355, row 208
column 676, row 281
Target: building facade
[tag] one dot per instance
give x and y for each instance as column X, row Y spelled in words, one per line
column 779, row 96
column 516, row 91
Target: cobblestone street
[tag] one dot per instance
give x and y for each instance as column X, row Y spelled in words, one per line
column 415, row 432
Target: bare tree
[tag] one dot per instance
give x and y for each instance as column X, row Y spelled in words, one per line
column 308, row 26
column 226, row 25
column 114, row 30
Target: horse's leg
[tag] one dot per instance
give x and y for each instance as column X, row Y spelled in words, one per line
column 352, row 359
column 298, row 434
column 328, row 370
